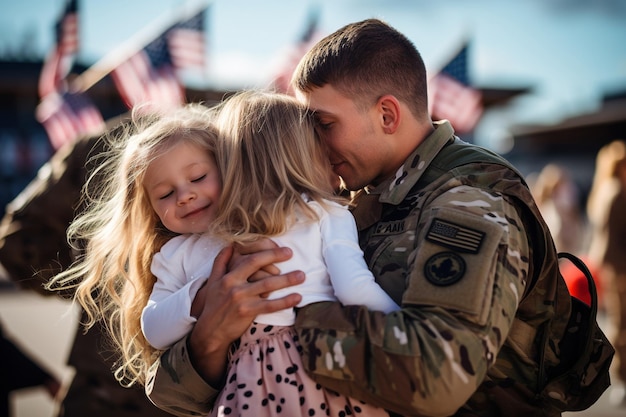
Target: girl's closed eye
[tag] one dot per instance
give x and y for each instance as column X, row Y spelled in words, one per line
column 164, row 196
column 200, row 178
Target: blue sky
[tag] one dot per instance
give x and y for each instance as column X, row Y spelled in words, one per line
column 570, row 52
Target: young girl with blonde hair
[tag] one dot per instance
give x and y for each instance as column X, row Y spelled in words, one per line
column 120, row 231
column 276, row 183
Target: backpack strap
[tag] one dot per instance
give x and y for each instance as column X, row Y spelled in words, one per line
column 593, row 307
column 593, row 292
column 457, row 153
column 585, row 355
column 542, row 379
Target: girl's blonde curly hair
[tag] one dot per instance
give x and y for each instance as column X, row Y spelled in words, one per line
column 117, row 233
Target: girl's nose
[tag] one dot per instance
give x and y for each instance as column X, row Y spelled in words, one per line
column 185, row 197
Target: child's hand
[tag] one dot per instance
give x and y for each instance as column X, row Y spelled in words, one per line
column 198, row 302
column 253, row 247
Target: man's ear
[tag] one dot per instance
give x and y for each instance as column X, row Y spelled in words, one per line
column 389, row 108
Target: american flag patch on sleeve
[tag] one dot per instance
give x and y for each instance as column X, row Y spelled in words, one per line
column 454, row 236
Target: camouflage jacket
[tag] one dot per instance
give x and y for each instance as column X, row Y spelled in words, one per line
column 467, row 255
column 461, row 245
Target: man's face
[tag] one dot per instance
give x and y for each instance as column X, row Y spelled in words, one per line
column 184, row 188
column 357, row 147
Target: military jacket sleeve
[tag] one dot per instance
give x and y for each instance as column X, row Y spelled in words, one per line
column 454, row 253
column 173, row 385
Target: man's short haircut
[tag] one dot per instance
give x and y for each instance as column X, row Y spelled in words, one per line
column 364, row 61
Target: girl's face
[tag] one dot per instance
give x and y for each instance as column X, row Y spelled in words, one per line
column 184, row 187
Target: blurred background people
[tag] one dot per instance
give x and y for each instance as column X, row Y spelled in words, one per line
column 558, row 198
column 606, row 211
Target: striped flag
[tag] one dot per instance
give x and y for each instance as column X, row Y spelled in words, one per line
column 148, row 77
column 187, row 44
column 454, row 236
column 68, row 116
column 451, row 97
column 65, row 116
column 309, row 37
column 151, row 77
column 59, row 62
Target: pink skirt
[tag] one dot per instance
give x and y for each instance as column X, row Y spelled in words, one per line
column 266, row 378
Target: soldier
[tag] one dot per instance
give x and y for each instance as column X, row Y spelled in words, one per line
column 450, row 231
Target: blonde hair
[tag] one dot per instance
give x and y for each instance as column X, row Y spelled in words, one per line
column 610, row 159
column 551, row 177
column 120, row 232
column 269, row 155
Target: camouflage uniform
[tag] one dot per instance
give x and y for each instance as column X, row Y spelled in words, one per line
column 456, row 238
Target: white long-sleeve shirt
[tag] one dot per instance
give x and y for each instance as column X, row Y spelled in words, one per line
column 327, row 251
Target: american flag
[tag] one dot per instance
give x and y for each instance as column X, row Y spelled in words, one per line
column 68, row 116
column 187, row 45
column 150, row 78
column 452, row 98
column 59, row 62
column 309, row 37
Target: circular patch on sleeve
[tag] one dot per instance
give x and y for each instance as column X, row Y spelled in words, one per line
column 444, row 268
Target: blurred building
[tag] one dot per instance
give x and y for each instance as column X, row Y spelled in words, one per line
column 572, row 143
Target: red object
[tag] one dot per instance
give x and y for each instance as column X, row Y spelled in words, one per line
column 577, row 282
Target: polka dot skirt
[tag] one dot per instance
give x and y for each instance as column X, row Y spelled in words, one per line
column 266, row 378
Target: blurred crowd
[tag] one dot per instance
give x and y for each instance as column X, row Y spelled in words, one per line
column 593, row 227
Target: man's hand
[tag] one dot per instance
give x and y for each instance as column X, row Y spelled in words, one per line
column 246, row 249
column 228, row 303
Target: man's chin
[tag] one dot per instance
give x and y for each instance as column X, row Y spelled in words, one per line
column 350, row 186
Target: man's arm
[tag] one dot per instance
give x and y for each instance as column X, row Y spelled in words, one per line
column 174, row 385
column 186, row 378
column 429, row 357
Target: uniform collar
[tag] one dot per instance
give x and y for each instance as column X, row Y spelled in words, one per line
column 395, row 189
column 368, row 208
